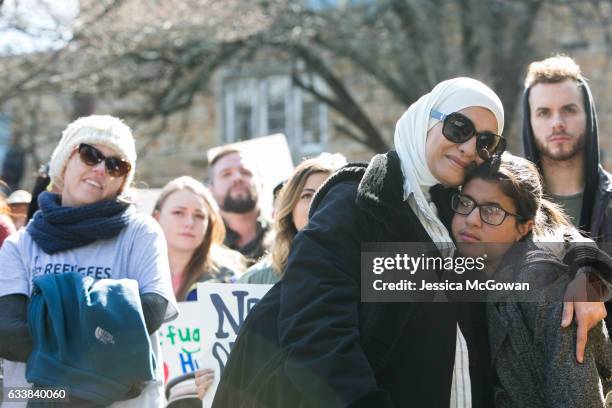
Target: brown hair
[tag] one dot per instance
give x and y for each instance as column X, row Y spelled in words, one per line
column 288, row 199
column 201, row 261
column 520, row 180
column 553, row 70
column 224, row 151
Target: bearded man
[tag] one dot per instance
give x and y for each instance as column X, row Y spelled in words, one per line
column 560, row 136
column 236, row 188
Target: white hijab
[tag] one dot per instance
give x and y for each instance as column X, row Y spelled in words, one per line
column 410, row 137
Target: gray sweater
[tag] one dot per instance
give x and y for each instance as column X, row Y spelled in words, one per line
column 533, row 357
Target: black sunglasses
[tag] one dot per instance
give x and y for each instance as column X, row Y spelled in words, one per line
column 459, row 128
column 116, row 166
column 491, row 214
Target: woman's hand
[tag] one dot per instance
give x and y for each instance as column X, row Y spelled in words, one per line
column 203, row 380
column 588, row 314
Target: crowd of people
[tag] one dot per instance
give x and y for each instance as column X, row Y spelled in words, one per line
column 83, row 274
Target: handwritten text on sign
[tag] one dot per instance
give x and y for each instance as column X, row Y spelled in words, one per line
column 181, row 341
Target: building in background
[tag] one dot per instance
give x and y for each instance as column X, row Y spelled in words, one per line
column 250, row 97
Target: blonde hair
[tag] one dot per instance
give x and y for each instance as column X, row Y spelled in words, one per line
column 205, row 256
column 288, row 199
column 553, row 70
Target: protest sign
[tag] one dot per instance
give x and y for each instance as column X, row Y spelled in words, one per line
column 145, row 199
column 224, row 308
column 181, row 341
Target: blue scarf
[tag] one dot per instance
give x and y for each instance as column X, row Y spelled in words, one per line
column 56, row 228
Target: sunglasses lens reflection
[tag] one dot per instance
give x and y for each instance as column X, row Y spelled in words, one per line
column 459, row 129
column 90, row 155
column 115, row 166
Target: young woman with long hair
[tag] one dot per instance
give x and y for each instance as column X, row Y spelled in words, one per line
column 192, row 223
column 291, row 215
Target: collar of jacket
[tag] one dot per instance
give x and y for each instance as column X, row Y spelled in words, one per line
column 380, row 193
column 605, row 180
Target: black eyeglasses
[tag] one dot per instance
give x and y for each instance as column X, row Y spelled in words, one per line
column 459, row 128
column 491, row 214
column 116, row 166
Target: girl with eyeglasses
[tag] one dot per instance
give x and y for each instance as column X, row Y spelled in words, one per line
column 502, row 212
column 92, row 229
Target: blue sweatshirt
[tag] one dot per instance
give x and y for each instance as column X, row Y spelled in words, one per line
column 89, row 337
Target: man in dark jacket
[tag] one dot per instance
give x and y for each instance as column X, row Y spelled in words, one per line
column 560, row 136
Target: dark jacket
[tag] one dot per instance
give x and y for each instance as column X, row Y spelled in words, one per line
column 596, row 213
column 601, row 221
column 310, row 342
column 534, row 357
column 254, row 249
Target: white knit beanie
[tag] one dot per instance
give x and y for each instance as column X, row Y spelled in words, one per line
column 102, row 130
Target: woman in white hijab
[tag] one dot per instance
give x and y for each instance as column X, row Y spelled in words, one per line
column 312, row 341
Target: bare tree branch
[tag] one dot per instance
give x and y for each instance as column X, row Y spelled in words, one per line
column 345, row 103
column 161, row 55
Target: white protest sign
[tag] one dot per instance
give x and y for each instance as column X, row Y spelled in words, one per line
column 223, row 307
column 145, row 199
column 181, row 341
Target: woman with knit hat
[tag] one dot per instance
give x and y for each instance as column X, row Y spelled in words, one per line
column 92, row 229
column 311, row 341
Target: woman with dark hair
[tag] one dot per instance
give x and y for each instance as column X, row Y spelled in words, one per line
column 88, row 232
column 291, row 214
column 503, row 213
